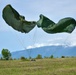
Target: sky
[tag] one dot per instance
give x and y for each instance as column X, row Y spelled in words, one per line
column 54, row 9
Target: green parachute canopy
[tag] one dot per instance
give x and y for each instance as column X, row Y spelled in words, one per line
column 16, row 21
column 64, row 25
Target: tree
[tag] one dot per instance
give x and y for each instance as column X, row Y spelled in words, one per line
column 51, row 56
column 39, row 56
column 6, row 54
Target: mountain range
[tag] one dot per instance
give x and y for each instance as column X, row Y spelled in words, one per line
column 56, row 51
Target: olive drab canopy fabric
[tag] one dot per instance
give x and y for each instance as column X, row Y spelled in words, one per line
column 18, row 22
column 64, row 25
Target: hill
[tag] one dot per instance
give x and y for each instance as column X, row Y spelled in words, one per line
column 56, row 51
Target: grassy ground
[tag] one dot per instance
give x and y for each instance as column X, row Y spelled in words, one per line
column 56, row 66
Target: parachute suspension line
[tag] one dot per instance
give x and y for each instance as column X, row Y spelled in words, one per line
column 35, row 36
column 33, row 42
column 18, row 39
column 64, row 43
column 21, row 43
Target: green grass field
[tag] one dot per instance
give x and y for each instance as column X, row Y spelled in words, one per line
column 56, row 66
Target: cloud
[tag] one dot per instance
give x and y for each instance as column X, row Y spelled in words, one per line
column 70, row 44
column 63, row 40
column 36, row 45
column 42, row 44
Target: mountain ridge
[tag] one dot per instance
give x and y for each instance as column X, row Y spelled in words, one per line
column 56, row 51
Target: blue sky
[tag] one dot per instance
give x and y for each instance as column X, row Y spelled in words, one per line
column 31, row 9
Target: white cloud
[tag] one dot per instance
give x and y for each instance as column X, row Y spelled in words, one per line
column 42, row 44
column 36, row 45
column 52, row 44
column 69, row 40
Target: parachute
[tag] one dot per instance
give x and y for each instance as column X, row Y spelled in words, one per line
column 64, row 25
column 18, row 22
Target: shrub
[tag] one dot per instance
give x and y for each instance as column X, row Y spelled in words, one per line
column 23, row 58
column 33, row 59
column 62, row 56
column 39, row 56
